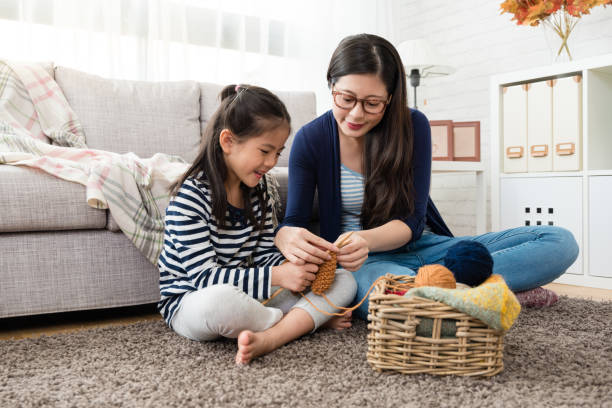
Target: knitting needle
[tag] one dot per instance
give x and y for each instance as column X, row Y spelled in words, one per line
column 343, row 242
column 340, row 245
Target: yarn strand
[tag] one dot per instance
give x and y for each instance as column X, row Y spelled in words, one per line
column 346, row 309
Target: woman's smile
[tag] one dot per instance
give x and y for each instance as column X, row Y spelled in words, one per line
column 354, row 126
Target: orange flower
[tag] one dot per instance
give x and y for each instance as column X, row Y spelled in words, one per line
column 533, row 12
column 560, row 15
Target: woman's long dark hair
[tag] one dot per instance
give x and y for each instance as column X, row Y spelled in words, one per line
column 389, row 191
column 246, row 111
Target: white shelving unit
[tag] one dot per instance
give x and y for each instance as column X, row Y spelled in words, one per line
column 580, row 200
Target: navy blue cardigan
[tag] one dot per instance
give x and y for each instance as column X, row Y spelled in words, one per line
column 314, row 163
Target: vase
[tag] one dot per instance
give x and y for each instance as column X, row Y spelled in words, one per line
column 558, row 27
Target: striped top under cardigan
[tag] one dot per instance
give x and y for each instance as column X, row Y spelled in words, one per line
column 351, row 194
column 198, row 253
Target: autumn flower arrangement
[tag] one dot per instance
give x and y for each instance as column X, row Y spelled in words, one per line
column 560, row 15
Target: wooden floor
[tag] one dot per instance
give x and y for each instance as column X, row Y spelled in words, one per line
column 580, row 292
column 35, row 326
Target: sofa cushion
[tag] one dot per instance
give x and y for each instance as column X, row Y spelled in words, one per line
column 111, row 223
column 33, row 200
column 300, row 105
column 134, row 116
column 302, row 108
column 209, row 101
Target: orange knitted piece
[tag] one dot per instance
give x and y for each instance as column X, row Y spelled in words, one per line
column 325, row 276
column 323, row 280
column 435, row 275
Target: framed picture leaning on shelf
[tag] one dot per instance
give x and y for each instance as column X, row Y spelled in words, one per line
column 466, row 141
column 441, row 139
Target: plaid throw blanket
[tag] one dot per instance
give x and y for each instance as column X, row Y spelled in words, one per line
column 33, row 105
column 34, row 110
column 135, row 190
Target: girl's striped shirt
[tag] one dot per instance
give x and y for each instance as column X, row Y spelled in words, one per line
column 198, row 253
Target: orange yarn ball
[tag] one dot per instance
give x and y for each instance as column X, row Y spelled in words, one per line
column 435, row 275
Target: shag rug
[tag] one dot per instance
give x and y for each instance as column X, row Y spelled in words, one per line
column 554, row 357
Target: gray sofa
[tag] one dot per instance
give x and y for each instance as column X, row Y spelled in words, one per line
column 58, row 254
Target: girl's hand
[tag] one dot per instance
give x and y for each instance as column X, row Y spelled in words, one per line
column 354, row 254
column 301, row 246
column 294, row 277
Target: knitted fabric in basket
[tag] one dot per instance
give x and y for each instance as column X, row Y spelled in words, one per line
column 393, row 343
column 492, row 301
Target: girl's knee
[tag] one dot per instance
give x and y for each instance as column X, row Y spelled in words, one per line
column 347, row 279
column 347, row 285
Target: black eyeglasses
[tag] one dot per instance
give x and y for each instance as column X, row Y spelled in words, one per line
column 348, row 102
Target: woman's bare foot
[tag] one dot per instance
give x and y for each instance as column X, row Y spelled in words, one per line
column 250, row 346
column 340, row 322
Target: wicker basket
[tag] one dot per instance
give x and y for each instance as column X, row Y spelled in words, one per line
column 474, row 350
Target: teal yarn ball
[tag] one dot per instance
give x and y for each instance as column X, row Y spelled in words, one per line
column 470, row 262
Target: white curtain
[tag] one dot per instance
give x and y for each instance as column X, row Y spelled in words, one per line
column 282, row 45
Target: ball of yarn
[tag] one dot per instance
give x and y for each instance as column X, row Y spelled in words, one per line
column 470, row 262
column 435, row 275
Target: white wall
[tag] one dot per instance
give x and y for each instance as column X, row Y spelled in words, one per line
column 479, row 43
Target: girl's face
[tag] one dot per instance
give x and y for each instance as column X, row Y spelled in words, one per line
column 248, row 161
column 355, row 122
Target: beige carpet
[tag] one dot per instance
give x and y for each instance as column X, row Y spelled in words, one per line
column 560, row 356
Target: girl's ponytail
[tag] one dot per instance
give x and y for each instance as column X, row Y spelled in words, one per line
column 229, row 91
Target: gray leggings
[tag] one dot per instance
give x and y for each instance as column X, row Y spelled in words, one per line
column 225, row 310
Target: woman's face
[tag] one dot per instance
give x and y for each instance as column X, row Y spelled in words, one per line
column 355, row 122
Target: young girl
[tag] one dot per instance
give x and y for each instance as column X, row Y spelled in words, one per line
column 369, row 159
column 219, row 261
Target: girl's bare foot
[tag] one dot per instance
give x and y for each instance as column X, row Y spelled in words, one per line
column 340, row 322
column 250, row 346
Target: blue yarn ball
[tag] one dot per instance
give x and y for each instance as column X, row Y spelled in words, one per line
column 470, row 262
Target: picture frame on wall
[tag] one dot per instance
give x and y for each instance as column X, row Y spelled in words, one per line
column 466, row 141
column 441, row 139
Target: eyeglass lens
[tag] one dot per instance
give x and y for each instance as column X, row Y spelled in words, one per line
column 346, row 101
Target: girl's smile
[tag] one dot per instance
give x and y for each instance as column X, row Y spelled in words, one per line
column 247, row 162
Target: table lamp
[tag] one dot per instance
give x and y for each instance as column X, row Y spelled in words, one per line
column 421, row 61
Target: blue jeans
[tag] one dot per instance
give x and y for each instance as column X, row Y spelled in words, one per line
column 527, row 257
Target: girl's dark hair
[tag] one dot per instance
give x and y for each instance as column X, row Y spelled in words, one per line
column 246, row 111
column 388, row 191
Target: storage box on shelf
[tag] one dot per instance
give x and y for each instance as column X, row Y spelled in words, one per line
column 551, row 138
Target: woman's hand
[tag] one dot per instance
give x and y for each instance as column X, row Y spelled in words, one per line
column 294, row 277
column 355, row 253
column 300, row 246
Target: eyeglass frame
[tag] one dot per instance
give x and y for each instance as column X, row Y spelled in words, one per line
column 362, row 100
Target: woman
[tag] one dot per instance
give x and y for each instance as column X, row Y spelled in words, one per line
column 369, row 159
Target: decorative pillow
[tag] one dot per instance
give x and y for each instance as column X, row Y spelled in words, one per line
column 135, row 116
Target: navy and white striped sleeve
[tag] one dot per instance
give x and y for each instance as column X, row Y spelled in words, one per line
column 190, row 253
